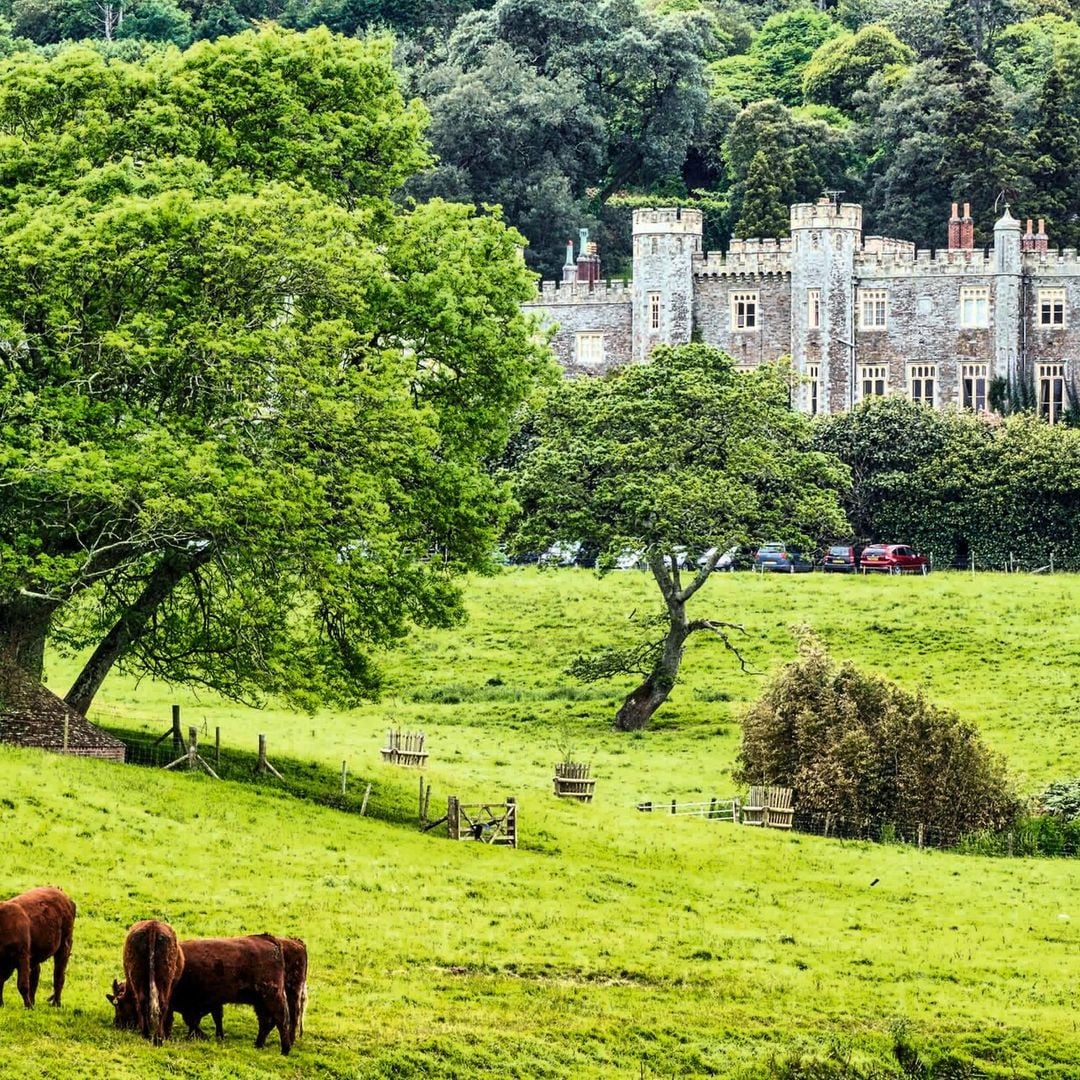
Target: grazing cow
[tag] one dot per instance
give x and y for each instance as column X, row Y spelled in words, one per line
column 235, row 971
column 295, row 983
column 153, row 963
column 34, row 926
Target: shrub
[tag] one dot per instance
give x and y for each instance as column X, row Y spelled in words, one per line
column 864, row 750
column 1062, row 800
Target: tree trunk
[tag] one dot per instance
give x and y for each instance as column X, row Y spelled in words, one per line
column 172, row 569
column 24, row 626
column 636, row 711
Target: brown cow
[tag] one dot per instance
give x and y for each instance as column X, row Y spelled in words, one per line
column 235, row 971
column 295, row 983
column 153, row 962
column 34, row 926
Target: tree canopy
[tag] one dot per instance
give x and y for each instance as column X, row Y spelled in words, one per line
column 245, row 400
column 680, row 454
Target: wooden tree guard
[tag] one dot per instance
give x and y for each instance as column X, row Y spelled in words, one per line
column 192, row 756
column 572, row 781
column 769, row 807
column 490, row 823
column 405, row 748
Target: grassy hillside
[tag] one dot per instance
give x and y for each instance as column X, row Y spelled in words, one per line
column 610, row 938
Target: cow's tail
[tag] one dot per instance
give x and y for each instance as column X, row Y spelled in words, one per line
column 155, row 1000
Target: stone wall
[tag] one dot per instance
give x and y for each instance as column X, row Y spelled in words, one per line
column 575, row 309
column 712, row 316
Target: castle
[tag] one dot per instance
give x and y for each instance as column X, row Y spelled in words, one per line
column 859, row 315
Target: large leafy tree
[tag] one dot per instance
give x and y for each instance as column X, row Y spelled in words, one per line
column 245, row 403
column 842, row 66
column 680, row 453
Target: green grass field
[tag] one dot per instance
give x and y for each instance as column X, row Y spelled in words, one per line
column 611, row 942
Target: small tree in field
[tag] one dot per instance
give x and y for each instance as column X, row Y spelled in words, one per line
column 864, row 749
column 681, row 452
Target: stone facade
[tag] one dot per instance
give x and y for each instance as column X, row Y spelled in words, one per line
column 858, row 315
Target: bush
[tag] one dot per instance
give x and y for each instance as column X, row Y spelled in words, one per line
column 866, row 751
column 1062, row 800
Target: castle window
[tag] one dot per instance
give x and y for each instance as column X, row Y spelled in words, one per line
column 974, row 307
column 1051, row 386
column 973, row 383
column 813, row 309
column 873, row 309
column 744, row 311
column 654, row 311
column 1051, row 307
column 921, row 379
column 873, row 380
column 813, row 374
column 589, row 348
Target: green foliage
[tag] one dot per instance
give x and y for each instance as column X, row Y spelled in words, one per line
column 245, row 400
column 767, row 195
column 784, row 46
column 865, row 750
column 1062, row 800
column 842, row 66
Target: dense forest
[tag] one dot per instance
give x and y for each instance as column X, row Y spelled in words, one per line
column 568, row 113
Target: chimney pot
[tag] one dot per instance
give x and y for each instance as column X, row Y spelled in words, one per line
column 967, row 209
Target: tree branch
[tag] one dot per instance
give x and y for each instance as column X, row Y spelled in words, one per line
column 720, row 629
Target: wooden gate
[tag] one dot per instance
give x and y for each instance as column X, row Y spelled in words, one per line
column 490, row 823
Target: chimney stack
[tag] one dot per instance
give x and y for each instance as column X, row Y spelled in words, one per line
column 1027, row 241
column 588, row 264
column 967, row 229
column 954, row 229
column 1042, row 241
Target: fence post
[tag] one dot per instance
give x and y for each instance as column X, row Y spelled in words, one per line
column 193, row 747
column 673, row 806
column 828, row 821
column 177, row 738
column 511, row 819
column 453, row 823
column 260, row 765
column 921, row 834
column 344, row 770
column 217, row 747
column 1051, row 562
column 363, row 805
column 712, row 807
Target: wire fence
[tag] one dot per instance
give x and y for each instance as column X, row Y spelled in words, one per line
column 1036, row 836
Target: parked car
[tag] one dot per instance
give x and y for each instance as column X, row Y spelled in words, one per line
column 630, row 559
column 841, row 558
column 781, row 558
column 734, row 558
column 893, row 559
column 561, row 553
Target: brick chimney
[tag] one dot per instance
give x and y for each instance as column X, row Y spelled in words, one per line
column 967, row 229
column 588, row 264
column 954, row 228
column 1027, row 241
column 569, row 270
column 1042, row 241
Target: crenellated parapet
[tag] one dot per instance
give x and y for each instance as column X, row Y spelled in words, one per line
column 1064, row 263
column 826, row 214
column 599, row 292
column 923, row 263
column 743, row 257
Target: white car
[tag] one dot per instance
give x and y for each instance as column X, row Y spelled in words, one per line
column 725, row 562
column 561, row 553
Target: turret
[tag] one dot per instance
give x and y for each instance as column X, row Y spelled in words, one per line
column 1007, row 242
column 665, row 241
column 824, row 238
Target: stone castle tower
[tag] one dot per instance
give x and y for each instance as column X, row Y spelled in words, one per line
column 665, row 243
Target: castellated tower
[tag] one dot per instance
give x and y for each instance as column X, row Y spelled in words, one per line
column 1007, row 321
column 825, row 237
column 665, row 242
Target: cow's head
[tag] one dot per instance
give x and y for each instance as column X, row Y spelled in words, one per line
column 123, row 1002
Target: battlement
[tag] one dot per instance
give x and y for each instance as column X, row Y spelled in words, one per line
column 825, row 214
column 580, row 292
column 751, row 256
column 908, row 262
column 668, row 220
column 1042, row 264
column 887, row 245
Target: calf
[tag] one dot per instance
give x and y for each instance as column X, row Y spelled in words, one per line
column 236, row 971
column 34, row 926
column 153, row 963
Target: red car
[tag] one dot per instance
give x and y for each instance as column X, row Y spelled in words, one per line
column 893, row 559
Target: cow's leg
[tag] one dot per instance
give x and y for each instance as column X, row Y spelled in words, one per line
column 193, row 1020
column 266, row 1025
column 35, row 977
column 5, row 974
column 217, row 1013
column 278, row 1011
column 168, row 1023
column 24, row 979
column 60, row 963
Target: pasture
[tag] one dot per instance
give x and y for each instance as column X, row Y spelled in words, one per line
column 610, row 943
